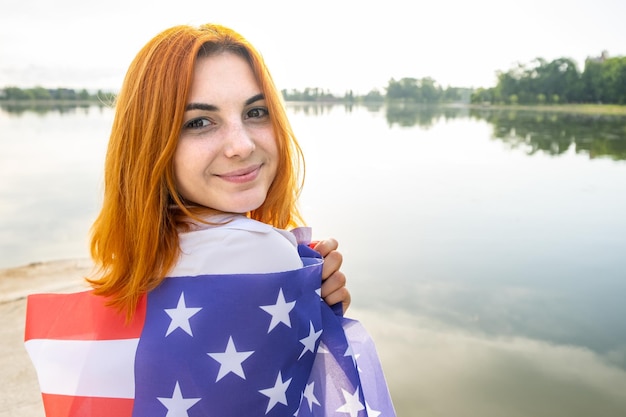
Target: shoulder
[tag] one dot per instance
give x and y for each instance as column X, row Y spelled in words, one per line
column 239, row 246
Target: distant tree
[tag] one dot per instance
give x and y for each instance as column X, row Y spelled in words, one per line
column 560, row 77
column 483, row 95
column 66, row 94
column 614, row 79
column 455, row 94
column 45, row 94
column 592, row 83
column 404, row 89
column 603, row 80
column 373, row 96
column 83, row 95
column 40, row 93
column 309, row 94
column 16, row 93
column 424, row 90
column 541, row 98
column 430, row 91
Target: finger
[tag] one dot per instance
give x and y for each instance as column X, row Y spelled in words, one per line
column 342, row 295
column 324, row 247
column 332, row 264
column 333, row 283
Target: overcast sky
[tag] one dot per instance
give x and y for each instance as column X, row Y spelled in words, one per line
column 334, row 44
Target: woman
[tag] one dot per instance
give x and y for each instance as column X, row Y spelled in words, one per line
column 222, row 311
column 135, row 238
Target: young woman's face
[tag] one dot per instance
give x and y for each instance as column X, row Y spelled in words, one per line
column 226, row 156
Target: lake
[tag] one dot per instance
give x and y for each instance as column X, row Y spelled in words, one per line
column 485, row 249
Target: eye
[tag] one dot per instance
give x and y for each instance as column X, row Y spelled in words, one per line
column 197, row 123
column 257, row 113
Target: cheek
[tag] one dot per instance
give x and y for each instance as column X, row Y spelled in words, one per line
column 182, row 164
column 270, row 145
column 275, row 156
column 177, row 164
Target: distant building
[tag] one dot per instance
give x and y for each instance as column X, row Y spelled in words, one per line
column 600, row 59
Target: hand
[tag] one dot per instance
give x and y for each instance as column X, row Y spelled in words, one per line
column 333, row 280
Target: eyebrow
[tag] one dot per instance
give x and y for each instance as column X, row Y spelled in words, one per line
column 211, row 107
column 252, row 99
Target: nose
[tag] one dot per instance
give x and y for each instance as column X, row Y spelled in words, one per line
column 238, row 141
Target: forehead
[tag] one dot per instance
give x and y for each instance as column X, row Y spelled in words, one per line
column 221, row 76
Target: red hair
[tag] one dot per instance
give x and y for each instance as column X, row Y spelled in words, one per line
column 134, row 240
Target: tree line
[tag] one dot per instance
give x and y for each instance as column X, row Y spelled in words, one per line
column 52, row 94
column 603, row 81
column 424, row 90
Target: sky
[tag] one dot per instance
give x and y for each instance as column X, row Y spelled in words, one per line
column 338, row 45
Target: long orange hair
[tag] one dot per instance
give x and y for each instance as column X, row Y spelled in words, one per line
column 134, row 240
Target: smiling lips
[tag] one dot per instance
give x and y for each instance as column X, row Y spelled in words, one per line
column 241, row 176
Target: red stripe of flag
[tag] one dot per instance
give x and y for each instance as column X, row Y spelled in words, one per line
column 79, row 316
column 69, row 406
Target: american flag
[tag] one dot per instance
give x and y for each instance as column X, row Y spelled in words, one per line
column 213, row 345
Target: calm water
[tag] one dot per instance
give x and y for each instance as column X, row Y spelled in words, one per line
column 486, row 251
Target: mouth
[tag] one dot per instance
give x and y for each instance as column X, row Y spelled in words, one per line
column 242, row 175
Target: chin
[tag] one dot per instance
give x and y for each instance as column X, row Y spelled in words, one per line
column 244, row 207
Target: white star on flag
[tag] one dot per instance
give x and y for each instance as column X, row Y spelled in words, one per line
column 309, row 341
column 310, row 395
column 277, row 394
column 370, row 411
column 230, row 360
column 355, row 356
column 279, row 311
column 180, row 316
column 352, row 405
column 177, row 406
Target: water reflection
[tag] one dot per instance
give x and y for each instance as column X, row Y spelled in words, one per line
column 18, row 109
column 440, row 370
column 555, row 133
column 371, row 107
column 491, row 281
column 311, row 109
column 410, row 114
column 552, row 133
column 547, row 132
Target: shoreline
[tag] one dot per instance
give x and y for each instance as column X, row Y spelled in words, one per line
column 49, row 276
column 576, row 108
column 588, row 108
column 22, row 397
